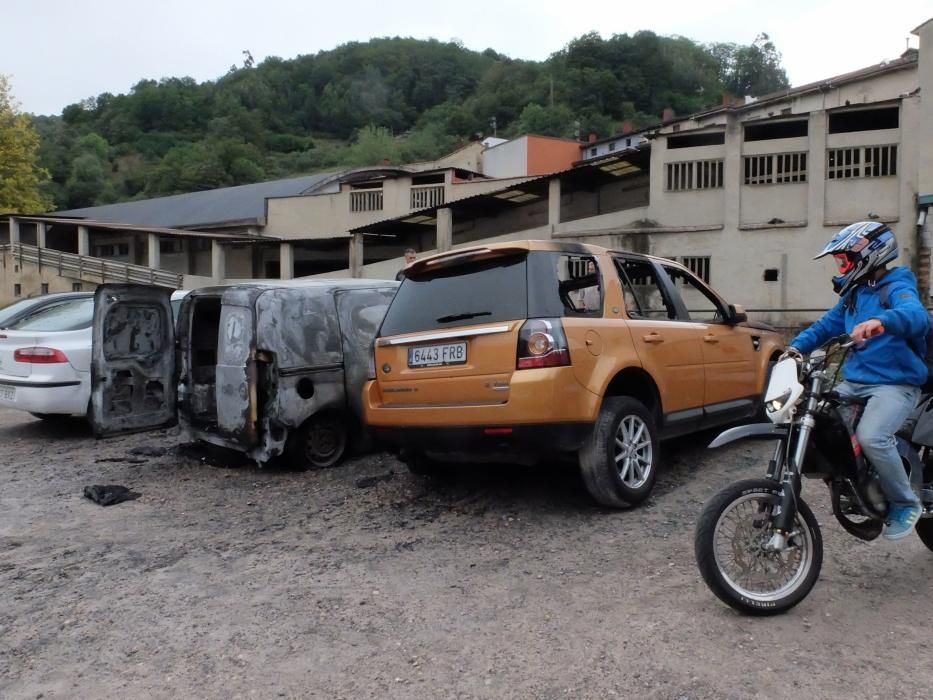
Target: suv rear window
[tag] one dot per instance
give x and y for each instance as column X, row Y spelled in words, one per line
column 462, row 295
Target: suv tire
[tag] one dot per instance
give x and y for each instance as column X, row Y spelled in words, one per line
column 619, row 461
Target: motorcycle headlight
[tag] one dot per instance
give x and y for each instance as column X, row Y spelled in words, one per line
column 775, row 405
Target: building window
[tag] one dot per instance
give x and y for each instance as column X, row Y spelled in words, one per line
column 698, row 265
column 694, row 175
column 103, row 251
column 628, row 142
column 366, row 200
column 770, row 274
column 44, row 288
column 861, row 161
column 775, row 168
column 123, row 249
column 776, row 130
column 593, row 151
column 17, row 290
column 849, row 121
column 694, row 140
column 171, row 245
column 612, row 145
column 75, row 286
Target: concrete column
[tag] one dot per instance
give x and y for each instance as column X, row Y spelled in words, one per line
column 553, row 204
column 732, row 180
column 356, row 255
column 154, row 257
column 445, row 229
column 131, row 242
column 816, row 176
column 218, row 261
column 14, row 230
column 924, row 134
column 187, row 244
column 40, row 235
column 286, row 261
column 84, row 241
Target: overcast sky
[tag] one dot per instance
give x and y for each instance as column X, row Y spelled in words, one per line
column 60, row 51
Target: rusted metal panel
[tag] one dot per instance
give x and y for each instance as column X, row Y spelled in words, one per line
column 132, row 365
column 285, row 352
column 360, row 313
column 235, row 385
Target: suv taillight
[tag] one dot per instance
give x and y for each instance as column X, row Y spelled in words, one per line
column 542, row 343
column 39, row 356
column 371, row 366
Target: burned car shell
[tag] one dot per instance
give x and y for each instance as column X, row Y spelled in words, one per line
column 255, row 362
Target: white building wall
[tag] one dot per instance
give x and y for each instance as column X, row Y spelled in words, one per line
column 509, row 159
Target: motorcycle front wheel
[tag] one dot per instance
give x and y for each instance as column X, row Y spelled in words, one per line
column 730, row 546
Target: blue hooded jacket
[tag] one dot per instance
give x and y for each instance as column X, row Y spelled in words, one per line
column 895, row 357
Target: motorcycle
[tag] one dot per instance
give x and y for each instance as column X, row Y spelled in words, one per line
column 757, row 544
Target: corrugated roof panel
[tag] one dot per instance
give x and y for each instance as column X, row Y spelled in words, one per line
column 193, row 209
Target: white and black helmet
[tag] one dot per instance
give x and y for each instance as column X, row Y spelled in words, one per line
column 867, row 246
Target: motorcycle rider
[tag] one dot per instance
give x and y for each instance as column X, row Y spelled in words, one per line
column 888, row 369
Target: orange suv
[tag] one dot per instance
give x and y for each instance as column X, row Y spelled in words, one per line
column 519, row 350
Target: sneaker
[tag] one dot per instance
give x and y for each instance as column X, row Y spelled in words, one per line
column 901, row 522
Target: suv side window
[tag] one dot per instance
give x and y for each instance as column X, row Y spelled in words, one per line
column 644, row 295
column 701, row 305
column 578, row 277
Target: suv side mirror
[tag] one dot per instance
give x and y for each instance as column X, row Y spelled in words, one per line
column 737, row 314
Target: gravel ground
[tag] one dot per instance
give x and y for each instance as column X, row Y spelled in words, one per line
column 224, row 580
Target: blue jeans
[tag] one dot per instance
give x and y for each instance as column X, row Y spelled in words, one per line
column 888, row 407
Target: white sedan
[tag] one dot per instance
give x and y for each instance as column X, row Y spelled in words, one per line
column 45, row 360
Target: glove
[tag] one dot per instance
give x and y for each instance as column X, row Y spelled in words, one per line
column 791, row 352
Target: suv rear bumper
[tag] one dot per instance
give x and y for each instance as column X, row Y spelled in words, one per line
column 533, row 439
column 546, row 410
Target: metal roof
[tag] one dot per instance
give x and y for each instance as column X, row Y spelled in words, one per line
column 106, row 225
column 584, row 175
column 226, row 205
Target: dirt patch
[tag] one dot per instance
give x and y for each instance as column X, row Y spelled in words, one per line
column 224, row 580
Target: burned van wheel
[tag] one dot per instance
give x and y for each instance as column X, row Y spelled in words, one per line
column 619, row 461
column 320, row 442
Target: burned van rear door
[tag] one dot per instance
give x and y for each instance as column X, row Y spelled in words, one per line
column 236, row 388
column 360, row 313
column 132, row 359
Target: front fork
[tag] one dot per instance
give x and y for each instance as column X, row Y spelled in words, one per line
column 783, row 520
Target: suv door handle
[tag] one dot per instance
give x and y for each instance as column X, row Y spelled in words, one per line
column 710, row 338
column 653, row 338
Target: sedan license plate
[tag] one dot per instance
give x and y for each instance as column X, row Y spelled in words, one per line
column 437, row 355
column 8, row 393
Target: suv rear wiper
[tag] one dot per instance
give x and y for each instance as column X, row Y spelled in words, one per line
column 462, row 317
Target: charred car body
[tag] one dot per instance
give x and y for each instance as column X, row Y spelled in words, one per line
column 264, row 368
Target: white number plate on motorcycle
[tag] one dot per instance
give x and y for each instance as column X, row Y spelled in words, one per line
column 438, row 355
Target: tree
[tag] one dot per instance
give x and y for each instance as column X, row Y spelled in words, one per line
column 21, row 176
column 753, row 70
column 374, row 144
column 546, row 121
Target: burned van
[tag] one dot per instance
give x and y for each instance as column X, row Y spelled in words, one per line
column 265, row 368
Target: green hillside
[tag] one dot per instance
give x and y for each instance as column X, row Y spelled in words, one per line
column 395, row 98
